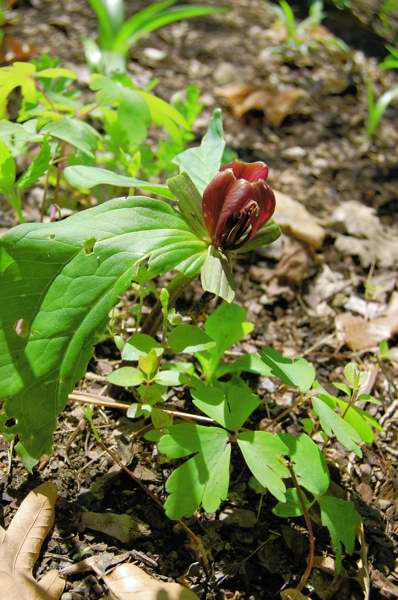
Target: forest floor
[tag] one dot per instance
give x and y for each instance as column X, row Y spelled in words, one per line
column 327, row 291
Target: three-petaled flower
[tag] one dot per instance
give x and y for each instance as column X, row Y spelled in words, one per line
column 237, row 203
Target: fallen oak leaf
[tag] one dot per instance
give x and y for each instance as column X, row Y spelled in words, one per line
column 20, row 547
column 129, row 582
column 295, row 220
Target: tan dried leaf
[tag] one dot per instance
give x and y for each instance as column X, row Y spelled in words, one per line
column 293, row 594
column 296, row 221
column 129, row 582
column 125, row 528
column 21, row 544
column 362, row 334
column 276, row 104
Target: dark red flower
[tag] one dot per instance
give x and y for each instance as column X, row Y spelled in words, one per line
column 237, row 203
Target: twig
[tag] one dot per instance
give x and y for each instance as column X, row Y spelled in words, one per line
column 107, row 402
column 311, row 538
column 198, row 546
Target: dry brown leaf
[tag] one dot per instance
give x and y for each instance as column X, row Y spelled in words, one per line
column 361, row 334
column 125, row 528
column 276, row 104
column 129, row 582
column 21, row 544
column 296, row 221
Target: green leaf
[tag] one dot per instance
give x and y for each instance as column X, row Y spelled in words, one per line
column 126, row 377
column 263, row 453
column 189, row 338
column 7, row 169
column 168, row 377
column 230, row 404
column 250, row 363
column 203, row 162
column 37, row 167
column 65, row 295
column 216, row 275
column 342, row 521
column 140, row 344
column 360, row 420
column 16, row 136
column 164, row 114
column 267, row 234
column 83, row 177
column 74, row 132
column 227, row 326
column 53, row 72
column 297, row 372
column 161, row 419
column 19, row 74
column 134, row 411
column 203, row 479
column 309, row 463
column 333, row 424
column 189, row 202
column 292, row 506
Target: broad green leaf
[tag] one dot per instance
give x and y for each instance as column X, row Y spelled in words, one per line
column 333, row 424
column 84, row 177
column 230, row 404
column 189, row 338
column 342, row 521
column 203, row 162
column 53, row 72
column 309, row 463
column 7, row 169
column 16, row 135
column 74, row 132
column 149, row 363
column 164, row 114
column 263, row 453
column 138, row 345
column 189, row 202
column 161, row 419
column 297, row 372
column 134, row 411
column 216, row 276
column 203, row 479
column 126, row 377
column 250, row 363
column 292, row 506
column 37, row 167
column 227, row 326
column 64, row 292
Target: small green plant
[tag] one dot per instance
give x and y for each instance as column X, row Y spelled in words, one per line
column 56, row 126
column 391, row 61
column 377, row 107
column 297, row 32
column 116, row 34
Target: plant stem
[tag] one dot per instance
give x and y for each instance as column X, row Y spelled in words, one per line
column 311, row 538
column 175, row 288
column 107, row 402
column 197, row 543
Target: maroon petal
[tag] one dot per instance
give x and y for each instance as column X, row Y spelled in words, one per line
column 265, row 198
column 214, row 197
column 239, row 194
column 250, row 171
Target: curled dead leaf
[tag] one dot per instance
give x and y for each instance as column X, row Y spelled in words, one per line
column 359, row 333
column 275, row 104
column 293, row 594
column 20, row 547
column 125, row 528
column 129, row 582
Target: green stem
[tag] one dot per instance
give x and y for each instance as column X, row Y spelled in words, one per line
column 154, row 320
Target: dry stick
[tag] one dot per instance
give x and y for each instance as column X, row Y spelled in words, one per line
column 107, row 402
column 199, row 548
column 311, row 537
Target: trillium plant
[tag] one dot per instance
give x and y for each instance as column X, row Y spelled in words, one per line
column 59, row 284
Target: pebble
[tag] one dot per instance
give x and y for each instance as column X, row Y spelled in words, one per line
column 239, row 517
column 224, row 73
column 154, row 54
column 294, row 153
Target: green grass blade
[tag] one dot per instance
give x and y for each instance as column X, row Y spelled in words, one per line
column 130, row 34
